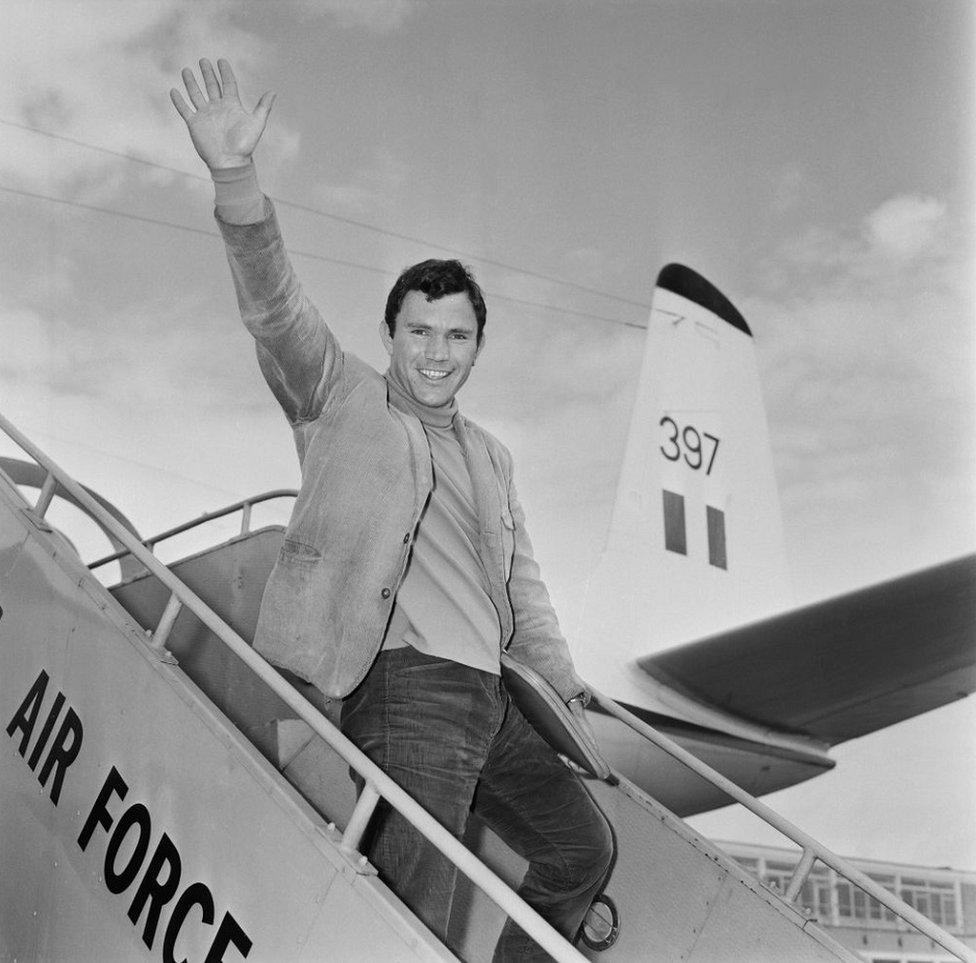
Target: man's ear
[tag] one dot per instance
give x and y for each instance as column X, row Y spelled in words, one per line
column 386, row 337
column 481, row 344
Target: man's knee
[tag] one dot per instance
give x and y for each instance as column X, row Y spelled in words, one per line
column 587, row 857
column 601, row 850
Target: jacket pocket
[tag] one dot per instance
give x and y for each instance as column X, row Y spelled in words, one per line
column 294, row 552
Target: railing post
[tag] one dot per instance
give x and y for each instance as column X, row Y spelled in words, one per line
column 359, row 819
column 166, row 621
column 246, row 518
column 47, row 493
column 800, row 874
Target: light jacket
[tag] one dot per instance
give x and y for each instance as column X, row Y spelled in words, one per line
column 366, row 477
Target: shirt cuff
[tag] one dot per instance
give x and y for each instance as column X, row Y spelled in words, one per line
column 237, row 195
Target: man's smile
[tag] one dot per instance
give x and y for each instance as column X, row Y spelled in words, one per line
column 434, row 374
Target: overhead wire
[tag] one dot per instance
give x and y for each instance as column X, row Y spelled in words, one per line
column 312, row 255
column 161, row 222
column 528, row 272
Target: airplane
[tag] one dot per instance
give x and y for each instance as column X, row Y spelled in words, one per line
column 688, row 619
column 683, row 625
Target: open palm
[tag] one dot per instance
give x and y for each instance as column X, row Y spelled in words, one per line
column 223, row 132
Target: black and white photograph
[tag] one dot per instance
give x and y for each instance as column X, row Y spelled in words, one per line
column 489, row 480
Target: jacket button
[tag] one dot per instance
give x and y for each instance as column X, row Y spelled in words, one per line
column 406, row 538
column 385, row 593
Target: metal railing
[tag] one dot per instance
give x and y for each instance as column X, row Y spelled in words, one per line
column 244, row 506
column 377, row 783
column 811, row 849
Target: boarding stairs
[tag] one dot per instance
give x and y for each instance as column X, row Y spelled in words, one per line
column 241, row 781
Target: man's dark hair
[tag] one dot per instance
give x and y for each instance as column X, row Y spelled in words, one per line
column 435, row 279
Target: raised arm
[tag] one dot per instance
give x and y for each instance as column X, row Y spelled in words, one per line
column 298, row 354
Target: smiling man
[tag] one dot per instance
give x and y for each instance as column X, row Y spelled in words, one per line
column 433, row 339
column 406, row 568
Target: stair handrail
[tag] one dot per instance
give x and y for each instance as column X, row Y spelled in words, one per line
column 811, row 848
column 377, row 783
column 245, row 504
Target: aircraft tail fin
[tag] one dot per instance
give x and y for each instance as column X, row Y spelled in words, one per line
column 695, row 541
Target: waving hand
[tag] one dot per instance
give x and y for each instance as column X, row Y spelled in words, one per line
column 223, row 132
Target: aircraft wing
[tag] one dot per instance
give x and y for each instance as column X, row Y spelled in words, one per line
column 843, row 667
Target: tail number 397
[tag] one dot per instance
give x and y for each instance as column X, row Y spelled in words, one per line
column 697, row 448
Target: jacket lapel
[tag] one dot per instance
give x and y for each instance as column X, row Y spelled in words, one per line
column 484, row 483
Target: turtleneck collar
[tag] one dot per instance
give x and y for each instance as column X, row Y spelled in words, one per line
column 440, row 417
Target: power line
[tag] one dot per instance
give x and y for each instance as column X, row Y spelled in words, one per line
column 338, row 217
column 103, row 150
column 312, row 255
column 135, row 461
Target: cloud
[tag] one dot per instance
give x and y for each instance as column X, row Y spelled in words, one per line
column 907, row 226
column 100, row 72
column 866, row 345
column 893, row 291
column 169, row 347
column 593, row 267
column 378, row 16
column 27, row 343
column 790, row 187
column 375, row 188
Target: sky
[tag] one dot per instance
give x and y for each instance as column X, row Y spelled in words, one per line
column 814, row 160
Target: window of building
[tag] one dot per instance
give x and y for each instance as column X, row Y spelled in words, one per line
column 815, row 895
column 777, row 875
column 937, row 901
column 854, row 904
column 876, row 910
column 845, row 902
column 675, row 537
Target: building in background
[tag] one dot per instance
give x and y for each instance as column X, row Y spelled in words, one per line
column 946, row 896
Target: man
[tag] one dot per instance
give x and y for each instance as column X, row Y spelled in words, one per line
column 406, row 567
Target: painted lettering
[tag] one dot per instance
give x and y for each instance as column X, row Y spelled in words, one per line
column 129, row 854
column 25, row 717
column 67, row 743
column 118, row 881
column 155, row 891
column 229, row 933
column 195, row 894
column 126, row 851
column 52, row 717
column 114, row 785
column 687, row 443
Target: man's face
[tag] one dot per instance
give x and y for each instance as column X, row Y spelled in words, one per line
column 433, row 347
